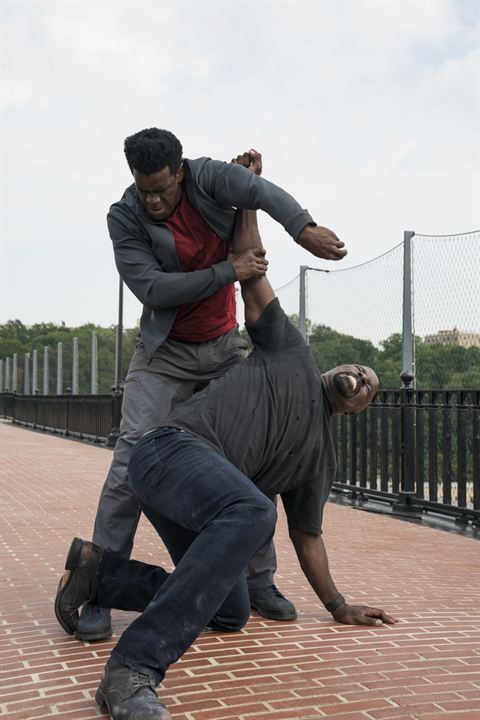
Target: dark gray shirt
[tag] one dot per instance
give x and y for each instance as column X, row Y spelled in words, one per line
column 269, row 416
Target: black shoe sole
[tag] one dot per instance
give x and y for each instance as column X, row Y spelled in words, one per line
column 90, row 637
column 101, row 701
column 272, row 615
column 70, row 565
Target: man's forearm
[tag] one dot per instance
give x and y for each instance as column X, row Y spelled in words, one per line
column 246, row 235
column 313, row 560
column 257, row 292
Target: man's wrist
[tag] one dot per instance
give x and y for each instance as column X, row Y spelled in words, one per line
column 305, row 230
column 335, row 604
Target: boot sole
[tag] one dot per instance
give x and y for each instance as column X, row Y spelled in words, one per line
column 86, row 637
column 271, row 615
column 101, row 701
column 70, row 565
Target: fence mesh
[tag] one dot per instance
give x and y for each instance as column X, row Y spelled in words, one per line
column 354, row 314
column 289, row 296
column 446, row 310
column 364, row 301
column 351, row 312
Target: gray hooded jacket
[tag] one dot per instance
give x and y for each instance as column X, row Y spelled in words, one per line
column 145, row 249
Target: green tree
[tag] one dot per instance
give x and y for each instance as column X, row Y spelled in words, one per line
column 437, row 366
column 15, row 337
column 331, row 348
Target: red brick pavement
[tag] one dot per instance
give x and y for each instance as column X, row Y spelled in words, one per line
column 426, row 667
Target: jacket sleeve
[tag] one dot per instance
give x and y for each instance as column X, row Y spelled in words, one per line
column 230, row 184
column 154, row 286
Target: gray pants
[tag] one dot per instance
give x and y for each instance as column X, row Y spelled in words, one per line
column 151, row 390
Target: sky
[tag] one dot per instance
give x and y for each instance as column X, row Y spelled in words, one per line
column 367, row 112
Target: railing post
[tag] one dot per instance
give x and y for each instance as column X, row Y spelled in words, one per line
column 406, row 495
column 68, row 392
column 116, row 416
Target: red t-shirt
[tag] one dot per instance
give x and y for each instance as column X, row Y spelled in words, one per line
column 199, row 247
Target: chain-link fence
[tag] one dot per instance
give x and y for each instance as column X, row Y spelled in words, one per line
column 364, row 301
column 363, row 314
column 446, row 310
column 359, row 314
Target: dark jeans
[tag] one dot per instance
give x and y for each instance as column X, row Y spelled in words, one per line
column 152, row 388
column 212, row 519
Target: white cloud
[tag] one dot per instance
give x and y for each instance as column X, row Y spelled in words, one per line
column 365, row 111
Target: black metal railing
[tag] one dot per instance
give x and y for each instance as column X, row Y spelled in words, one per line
column 417, row 448
column 85, row 416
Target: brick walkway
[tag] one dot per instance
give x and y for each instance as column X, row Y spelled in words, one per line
column 426, row 667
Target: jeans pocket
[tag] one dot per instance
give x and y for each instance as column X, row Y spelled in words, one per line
column 145, row 468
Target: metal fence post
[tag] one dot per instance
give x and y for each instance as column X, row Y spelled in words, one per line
column 1, row 376
column 119, row 337
column 75, row 366
column 406, row 494
column 46, row 377
column 26, row 375
column 94, row 381
column 14, row 372
column 117, row 388
column 7, row 375
column 407, row 335
column 302, row 312
column 59, row 368
column 34, row 372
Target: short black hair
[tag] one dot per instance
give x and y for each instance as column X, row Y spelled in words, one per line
column 151, row 150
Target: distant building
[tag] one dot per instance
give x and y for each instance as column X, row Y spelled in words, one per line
column 454, row 337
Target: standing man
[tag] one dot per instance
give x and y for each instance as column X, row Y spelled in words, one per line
column 171, row 232
column 204, row 479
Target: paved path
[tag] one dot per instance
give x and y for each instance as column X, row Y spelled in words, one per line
column 427, row 667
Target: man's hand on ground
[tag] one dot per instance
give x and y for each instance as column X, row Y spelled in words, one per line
column 322, row 243
column 249, row 263
column 251, row 159
column 362, row 615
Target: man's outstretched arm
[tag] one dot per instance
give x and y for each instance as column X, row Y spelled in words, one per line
column 312, row 556
column 257, row 292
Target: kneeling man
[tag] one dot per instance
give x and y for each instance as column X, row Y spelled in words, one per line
column 205, row 480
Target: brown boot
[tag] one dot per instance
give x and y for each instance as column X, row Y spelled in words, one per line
column 76, row 584
column 128, row 694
